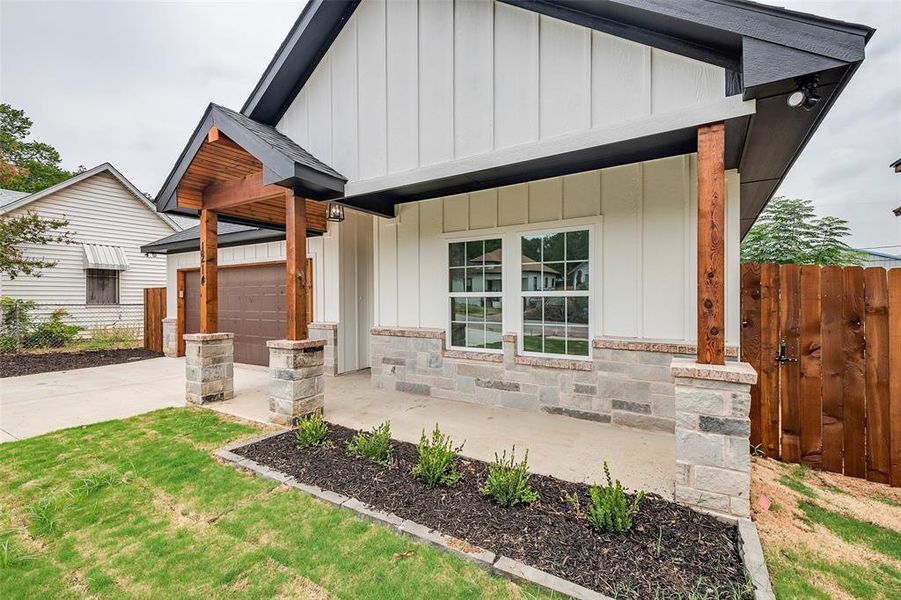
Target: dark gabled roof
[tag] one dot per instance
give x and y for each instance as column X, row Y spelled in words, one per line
column 896, row 164
column 284, row 161
column 229, row 234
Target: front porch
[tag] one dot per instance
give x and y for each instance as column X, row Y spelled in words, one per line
column 564, row 447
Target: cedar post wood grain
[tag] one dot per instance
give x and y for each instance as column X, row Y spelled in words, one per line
column 894, row 329
column 209, row 274
column 240, row 191
column 750, row 339
column 295, row 266
column 877, row 375
column 711, row 248
column 810, row 401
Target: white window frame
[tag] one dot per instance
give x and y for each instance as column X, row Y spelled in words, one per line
column 590, row 293
column 503, row 294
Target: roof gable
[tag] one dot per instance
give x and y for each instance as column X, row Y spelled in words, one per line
column 27, row 199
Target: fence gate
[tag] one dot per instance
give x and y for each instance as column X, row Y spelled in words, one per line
column 154, row 313
column 826, row 343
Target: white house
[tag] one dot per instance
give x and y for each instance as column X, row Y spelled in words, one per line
column 544, row 203
column 99, row 278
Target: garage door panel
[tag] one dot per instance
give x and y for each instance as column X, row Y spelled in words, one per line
column 251, row 305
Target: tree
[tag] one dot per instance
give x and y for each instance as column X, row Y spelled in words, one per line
column 788, row 231
column 28, row 229
column 26, row 166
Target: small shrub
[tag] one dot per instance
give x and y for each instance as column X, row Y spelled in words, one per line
column 508, row 481
column 375, row 445
column 609, row 510
column 311, row 430
column 436, row 459
column 53, row 333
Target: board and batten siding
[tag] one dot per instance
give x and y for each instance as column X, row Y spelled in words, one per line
column 342, row 280
column 643, row 221
column 100, row 210
column 412, row 91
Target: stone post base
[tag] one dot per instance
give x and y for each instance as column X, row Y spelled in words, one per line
column 296, row 381
column 209, row 367
column 713, row 455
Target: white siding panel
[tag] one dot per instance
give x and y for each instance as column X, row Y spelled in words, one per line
column 320, row 107
column 294, row 122
column 679, row 82
column 621, row 287
column 565, row 102
column 386, row 291
column 513, row 205
column 456, row 213
column 408, row 264
column 483, row 209
column 473, row 77
column 664, row 207
column 344, row 102
column 581, row 195
column 515, row 76
column 403, row 86
column 546, row 200
column 620, row 80
column 432, row 262
column 436, row 82
column 372, row 82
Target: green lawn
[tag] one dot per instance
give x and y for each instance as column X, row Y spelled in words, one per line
column 139, row 508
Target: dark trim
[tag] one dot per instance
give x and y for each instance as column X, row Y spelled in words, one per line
column 734, row 82
column 316, row 28
column 670, row 143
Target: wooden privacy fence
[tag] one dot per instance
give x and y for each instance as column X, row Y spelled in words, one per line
column 154, row 313
column 826, row 343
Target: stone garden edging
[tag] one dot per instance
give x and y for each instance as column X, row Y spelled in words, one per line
column 751, row 550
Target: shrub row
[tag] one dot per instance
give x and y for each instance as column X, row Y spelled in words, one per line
column 507, row 482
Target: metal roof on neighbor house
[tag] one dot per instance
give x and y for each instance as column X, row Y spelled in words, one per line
column 10, row 196
column 99, row 256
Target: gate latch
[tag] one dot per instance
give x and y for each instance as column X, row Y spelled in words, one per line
column 781, row 357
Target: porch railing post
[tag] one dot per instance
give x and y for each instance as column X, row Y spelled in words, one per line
column 711, row 244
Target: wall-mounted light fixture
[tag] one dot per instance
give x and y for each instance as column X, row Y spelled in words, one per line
column 805, row 96
column 335, row 213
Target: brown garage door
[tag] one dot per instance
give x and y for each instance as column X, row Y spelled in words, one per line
column 251, row 305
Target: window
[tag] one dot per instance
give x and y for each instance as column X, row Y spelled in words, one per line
column 475, row 283
column 102, row 286
column 555, row 296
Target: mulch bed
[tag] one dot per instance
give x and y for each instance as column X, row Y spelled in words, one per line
column 671, row 549
column 13, row 365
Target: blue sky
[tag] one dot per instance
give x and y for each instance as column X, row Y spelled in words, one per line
column 127, row 81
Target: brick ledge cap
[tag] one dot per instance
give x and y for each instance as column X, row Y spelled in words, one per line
column 731, row 372
column 295, row 344
column 208, row 337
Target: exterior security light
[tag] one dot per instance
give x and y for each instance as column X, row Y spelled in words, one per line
column 335, row 213
column 805, row 96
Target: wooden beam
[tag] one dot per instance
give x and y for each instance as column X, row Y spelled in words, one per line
column 296, row 266
column 209, row 272
column 711, row 244
column 240, row 191
column 212, row 135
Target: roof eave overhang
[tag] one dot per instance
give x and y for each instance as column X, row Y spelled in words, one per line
column 277, row 168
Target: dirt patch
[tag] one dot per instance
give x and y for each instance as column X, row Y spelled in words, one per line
column 14, row 365
column 671, row 549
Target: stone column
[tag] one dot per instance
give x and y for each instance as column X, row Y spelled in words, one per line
column 170, row 337
column 713, row 429
column 296, row 381
column 209, row 367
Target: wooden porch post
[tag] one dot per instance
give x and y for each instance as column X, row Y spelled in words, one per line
column 296, row 266
column 209, row 272
column 711, row 248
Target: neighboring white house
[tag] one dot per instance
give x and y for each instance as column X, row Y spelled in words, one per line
column 99, row 279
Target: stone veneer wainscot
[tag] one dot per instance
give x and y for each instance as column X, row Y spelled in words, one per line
column 626, row 382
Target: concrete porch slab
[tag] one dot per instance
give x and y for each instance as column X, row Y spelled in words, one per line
column 571, row 449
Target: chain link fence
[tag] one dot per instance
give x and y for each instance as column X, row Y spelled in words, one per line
column 26, row 326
